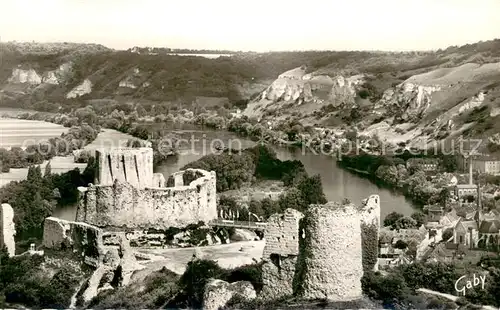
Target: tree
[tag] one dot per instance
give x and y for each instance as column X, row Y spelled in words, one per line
column 419, row 217
column 292, row 199
column 48, row 170
column 293, row 132
column 405, row 222
column 400, row 244
column 447, row 234
column 450, row 163
column 270, row 207
column 193, row 281
column 391, row 218
column 312, row 190
column 443, row 196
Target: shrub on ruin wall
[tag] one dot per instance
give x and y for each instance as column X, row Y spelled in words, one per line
column 170, row 181
column 194, row 280
column 251, row 273
column 189, row 176
column 369, row 246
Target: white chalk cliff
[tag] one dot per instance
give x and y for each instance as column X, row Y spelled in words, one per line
column 295, row 86
column 410, row 99
column 84, row 88
column 21, row 76
column 30, row 76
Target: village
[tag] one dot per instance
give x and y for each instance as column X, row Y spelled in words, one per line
column 465, row 228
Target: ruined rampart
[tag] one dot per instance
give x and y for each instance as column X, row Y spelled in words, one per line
column 7, row 229
column 330, row 260
column 280, row 254
column 80, row 238
column 124, row 205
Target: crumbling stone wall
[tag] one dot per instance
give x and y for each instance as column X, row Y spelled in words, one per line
column 282, row 233
column 132, row 165
column 125, row 205
column 370, row 227
column 7, row 229
column 280, row 254
column 330, row 261
column 218, row 293
column 158, row 180
column 83, row 239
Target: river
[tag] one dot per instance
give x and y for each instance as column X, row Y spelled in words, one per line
column 337, row 183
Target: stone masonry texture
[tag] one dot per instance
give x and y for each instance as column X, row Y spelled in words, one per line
column 82, row 239
column 131, row 165
column 330, row 261
column 282, row 233
column 280, row 254
column 7, row 229
column 127, row 206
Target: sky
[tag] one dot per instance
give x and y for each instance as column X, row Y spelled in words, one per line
column 254, row 25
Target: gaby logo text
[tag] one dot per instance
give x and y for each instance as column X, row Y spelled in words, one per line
column 463, row 284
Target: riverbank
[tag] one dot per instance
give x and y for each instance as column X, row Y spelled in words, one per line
column 338, row 183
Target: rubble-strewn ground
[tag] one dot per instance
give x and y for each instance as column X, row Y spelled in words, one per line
column 227, row 255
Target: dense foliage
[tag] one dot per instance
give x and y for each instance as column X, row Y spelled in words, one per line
column 369, row 238
column 392, row 172
column 236, row 169
column 166, row 290
column 22, row 281
column 397, row 289
column 35, row 198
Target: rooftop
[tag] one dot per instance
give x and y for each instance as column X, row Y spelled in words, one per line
column 469, row 224
column 466, row 186
column 490, row 227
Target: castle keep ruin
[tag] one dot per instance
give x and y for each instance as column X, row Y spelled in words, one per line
column 128, row 195
column 7, row 229
column 323, row 253
column 330, row 261
column 131, row 165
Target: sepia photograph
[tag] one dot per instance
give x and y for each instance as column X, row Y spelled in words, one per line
column 251, row 155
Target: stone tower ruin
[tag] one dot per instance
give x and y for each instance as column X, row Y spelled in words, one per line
column 127, row 194
column 280, row 254
column 330, row 261
column 7, row 229
column 131, row 165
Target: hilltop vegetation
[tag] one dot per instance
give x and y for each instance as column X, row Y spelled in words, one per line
column 170, row 77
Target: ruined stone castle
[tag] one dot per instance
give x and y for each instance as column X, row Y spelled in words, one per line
column 323, row 253
column 127, row 194
column 126, row 201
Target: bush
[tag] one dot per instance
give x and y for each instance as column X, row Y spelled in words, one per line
column 194, row 279
column 251, row 273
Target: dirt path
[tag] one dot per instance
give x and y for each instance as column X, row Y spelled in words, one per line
column 227, row 255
